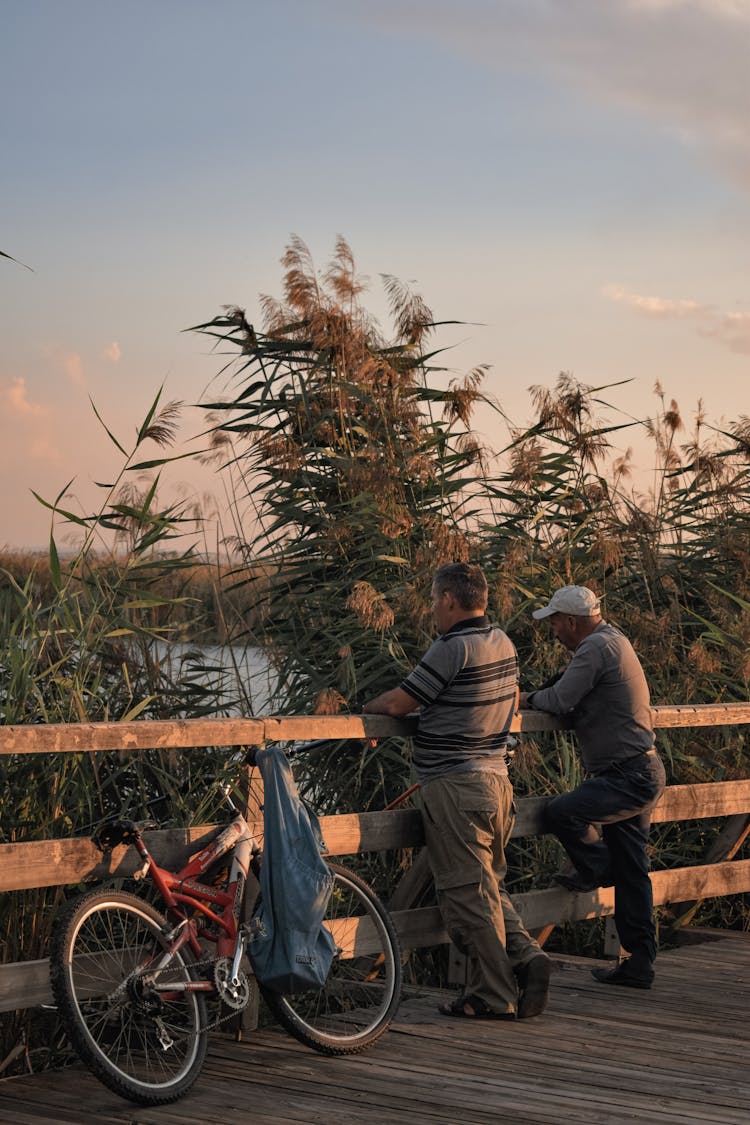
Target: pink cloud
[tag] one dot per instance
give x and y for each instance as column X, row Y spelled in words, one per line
column 654, row 306
column 16, row 402
column 41, row 449
column 732, row 329
column 26, row 426
column 74, row 368
column 112, row 352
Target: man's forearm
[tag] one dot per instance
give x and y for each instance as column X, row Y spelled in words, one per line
column 543, row 700
column 396, row 702
column 569, row 689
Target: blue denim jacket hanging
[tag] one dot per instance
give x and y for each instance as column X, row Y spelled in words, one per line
column 290, row 949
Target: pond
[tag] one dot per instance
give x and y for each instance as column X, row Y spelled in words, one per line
column 242, row 677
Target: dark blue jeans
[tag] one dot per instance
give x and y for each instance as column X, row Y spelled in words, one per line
column 620, row 800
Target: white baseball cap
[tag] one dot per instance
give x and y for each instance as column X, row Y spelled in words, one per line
column 578, row 601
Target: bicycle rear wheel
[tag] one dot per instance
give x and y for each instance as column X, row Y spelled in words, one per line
column 363, row 988
column 139, row 1037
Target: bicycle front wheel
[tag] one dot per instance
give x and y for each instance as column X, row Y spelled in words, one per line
column 363, row 988
column 129, row 1019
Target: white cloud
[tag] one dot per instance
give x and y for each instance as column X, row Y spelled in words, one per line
column 13, row 395
column 683, row 64
column 112, row 352
column 732, row 329
column 654, row 306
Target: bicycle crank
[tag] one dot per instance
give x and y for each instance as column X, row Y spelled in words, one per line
column 235, row 995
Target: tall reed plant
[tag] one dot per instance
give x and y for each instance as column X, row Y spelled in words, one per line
column 354, row 473
column 88, row 640
column 353, row 476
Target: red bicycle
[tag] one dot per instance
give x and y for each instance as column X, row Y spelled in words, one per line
column 138, row 990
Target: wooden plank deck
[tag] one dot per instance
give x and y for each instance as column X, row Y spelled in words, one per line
column 676, row 1054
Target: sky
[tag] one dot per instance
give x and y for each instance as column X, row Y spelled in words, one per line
column 570, row 178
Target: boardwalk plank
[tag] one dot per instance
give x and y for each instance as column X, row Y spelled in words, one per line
column 672, row 1056
column 610, row 1069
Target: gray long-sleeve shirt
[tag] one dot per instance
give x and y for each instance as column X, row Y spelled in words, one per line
column 604, row 693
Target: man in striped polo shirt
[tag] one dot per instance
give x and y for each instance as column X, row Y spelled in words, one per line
column 466, row 689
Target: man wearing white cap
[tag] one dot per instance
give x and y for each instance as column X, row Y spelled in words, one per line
column 604, row 822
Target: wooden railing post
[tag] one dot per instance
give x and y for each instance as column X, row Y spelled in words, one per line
column 251, row 791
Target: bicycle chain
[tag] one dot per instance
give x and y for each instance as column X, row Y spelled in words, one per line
column 212, row 1025
column 220, row 1019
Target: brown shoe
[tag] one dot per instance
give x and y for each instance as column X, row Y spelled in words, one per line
column 625, row 975
column 533, row 986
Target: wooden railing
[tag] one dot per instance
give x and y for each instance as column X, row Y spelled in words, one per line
column 59, row 862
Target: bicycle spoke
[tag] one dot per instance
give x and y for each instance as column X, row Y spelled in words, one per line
column 360, row 994
column 140, row 1042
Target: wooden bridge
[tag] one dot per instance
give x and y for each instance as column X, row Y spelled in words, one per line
column 600, row 1054
column 676, row 1055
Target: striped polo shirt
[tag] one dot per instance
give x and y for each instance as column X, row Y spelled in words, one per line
column 466, row 685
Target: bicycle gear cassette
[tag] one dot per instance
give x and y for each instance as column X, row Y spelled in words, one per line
column 233, row 995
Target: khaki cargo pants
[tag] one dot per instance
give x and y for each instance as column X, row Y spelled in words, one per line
column 468, row 819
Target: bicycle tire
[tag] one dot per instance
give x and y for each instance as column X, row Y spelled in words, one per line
column 146, row 1046
column 363, row 987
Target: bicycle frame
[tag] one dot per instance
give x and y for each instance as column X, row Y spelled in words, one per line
column 193, row 901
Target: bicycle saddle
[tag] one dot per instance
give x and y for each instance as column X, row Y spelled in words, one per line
column 115, row 832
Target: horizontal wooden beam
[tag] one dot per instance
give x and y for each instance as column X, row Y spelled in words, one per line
column 662, row 717
column 372, row 832
column 347, row 835
column 701, row 801
column 700, row 715
column 305, row 728
column 52, row 863
column 147, row 734
column 61, row 862
column 25, row 985
column 556, row 905
column 541, row 908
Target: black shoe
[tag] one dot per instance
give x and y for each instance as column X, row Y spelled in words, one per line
column 574, row 881
column 625, row 975
column 533, row 986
